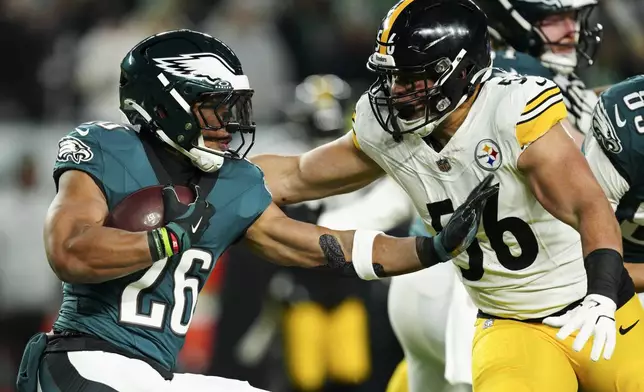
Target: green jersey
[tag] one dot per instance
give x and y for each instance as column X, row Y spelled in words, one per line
column 148, row 313
column 616, row 155
column 520, row 63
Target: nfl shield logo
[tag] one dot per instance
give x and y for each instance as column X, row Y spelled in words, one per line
column 443, row 165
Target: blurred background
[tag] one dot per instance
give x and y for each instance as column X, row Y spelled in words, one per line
column 281, row 329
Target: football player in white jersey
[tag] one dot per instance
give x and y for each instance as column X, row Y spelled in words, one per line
column 543, row 38
column 546, row 271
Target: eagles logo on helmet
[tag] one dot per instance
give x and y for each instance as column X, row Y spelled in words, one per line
column 169, row 78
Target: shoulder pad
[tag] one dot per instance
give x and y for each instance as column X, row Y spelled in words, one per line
column 618, row 125
column 83, row 148
column 366, row 129
column 529, row 106
column 98, row 128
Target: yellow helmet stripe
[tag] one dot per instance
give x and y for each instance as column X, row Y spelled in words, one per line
column 389, row 22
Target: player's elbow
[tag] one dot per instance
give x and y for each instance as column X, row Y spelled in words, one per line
column 282, row 174
column 61, row 265
column 64, row 263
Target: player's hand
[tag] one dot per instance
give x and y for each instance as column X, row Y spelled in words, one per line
column 595, row 316
column 185, row 224
column 460, row 231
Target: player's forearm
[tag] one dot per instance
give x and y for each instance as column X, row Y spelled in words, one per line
column 309, row 246
column 597, row 225
column 97, row 254
column 602, row 248
column 636, row 271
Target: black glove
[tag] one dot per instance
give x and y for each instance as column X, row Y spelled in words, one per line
column 184, row 224
column 459, row 233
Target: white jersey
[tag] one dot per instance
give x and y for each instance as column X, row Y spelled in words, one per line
column 525, row 263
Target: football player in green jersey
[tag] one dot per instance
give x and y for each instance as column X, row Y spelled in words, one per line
column 616, row 155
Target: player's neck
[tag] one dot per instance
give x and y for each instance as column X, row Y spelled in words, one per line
column 177, row 166
column 446, row 130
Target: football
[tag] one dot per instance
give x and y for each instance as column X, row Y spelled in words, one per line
column 143, row 210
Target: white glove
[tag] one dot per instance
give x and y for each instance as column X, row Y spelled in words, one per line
column 595, row 316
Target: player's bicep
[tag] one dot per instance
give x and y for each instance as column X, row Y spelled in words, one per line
column 286, row 241
column 333, row 168
column 79, row 204
column 558, row 174
column 340, row 165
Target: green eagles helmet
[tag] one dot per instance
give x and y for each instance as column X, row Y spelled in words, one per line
column 168, row 78
column 516, row 23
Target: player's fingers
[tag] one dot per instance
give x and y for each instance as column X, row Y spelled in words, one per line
column 481, row 185
column 567, row 329
column 481, row 197
column 197, row 190
column 599, row 343
column 611, row 342
column 486, row 182
column 584, row 334
column 169, row 195
column 609, row 347
column 556, row 321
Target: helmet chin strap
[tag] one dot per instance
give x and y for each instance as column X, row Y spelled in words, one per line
column 206, row 161
column 481, row 76
column 560, row 63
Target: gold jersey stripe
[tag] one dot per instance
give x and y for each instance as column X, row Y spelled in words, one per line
column 354, row 137
column 353, row 117
column 389, row 22
column 541, row 98
column 529, row 131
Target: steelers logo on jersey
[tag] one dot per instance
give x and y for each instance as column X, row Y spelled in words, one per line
column 488, row 155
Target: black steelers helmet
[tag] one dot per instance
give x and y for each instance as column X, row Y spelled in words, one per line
column 444, row 43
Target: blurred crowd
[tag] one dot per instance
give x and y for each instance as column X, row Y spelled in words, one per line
column 61, row 56
column 61, row 67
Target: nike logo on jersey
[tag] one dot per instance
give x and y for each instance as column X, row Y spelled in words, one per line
column 195, row 227
column 82, row 132
column 624, row 331
column 620, row 122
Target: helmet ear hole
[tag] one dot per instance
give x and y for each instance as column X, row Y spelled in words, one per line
column 123, row 80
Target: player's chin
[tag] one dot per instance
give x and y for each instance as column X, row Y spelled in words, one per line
column 411, row 112
column 564, row 47
column 216, row 145
column 217, row 140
